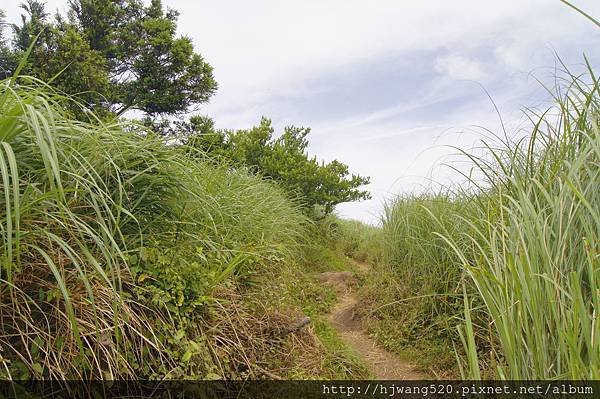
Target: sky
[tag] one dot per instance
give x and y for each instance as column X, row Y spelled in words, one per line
column 390, row 87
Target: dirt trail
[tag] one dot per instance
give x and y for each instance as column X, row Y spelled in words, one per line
column 384, row 365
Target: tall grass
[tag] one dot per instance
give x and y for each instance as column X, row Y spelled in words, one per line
column 115, row 245
column 537, row 263
column 358, row 240
column 424, row 265
column 521, row 255
column 416, row 287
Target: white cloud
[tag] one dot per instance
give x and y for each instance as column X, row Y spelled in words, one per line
column 266, row 49
column 458, row 67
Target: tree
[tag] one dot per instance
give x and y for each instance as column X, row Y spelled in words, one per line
column 283, row 159
column 150, row 69
column 7, row 60
column 30, row 28
column 61, row 56
column 115, row 55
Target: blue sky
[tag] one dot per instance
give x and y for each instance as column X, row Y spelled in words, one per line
column 386, row 86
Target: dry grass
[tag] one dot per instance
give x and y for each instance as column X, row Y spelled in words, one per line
column 254, row 339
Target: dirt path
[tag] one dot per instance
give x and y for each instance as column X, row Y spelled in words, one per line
column 384, row 365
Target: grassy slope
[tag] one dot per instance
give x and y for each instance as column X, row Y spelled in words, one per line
column 125, row 257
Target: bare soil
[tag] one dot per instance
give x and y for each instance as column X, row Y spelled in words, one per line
column 384, row 364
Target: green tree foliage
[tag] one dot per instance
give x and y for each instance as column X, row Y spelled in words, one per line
column 150, row 68
column 7, row 60
column 62, row 56
column 284, row 159
column 115, row 55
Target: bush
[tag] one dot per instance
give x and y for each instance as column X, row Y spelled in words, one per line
column 284, row 159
